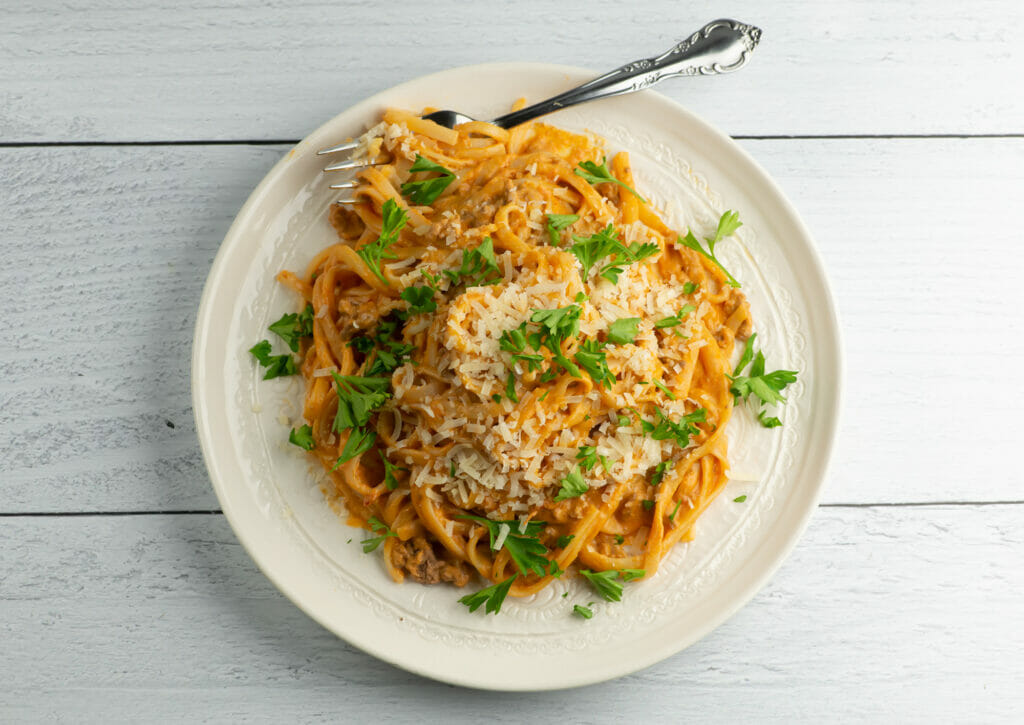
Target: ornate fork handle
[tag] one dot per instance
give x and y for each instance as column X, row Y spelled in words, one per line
column 721, row 46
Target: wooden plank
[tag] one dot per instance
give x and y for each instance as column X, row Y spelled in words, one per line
column 117, row 70
column 904, row 614
column 107, row 249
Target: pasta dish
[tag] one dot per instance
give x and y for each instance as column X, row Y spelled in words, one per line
column 514, row 369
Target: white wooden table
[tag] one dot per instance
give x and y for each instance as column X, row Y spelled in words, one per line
column 131, row 133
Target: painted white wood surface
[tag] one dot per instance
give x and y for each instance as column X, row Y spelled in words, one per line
column 902, row 614
column 130, row 70
column 914, row 233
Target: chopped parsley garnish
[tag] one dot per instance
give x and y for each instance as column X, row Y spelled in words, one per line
column 294, row 326
column 526, row 549
column 302, row 437
column 661, row 386
column 592, row 359
column 389, row 472
column 623, row 420
column 588, row 458
column 672, row 516
column 492, row 596
column 592, row 173
column 629, row 575
column 620, row 539
column 676, row 319
column 767, row 387
column 389, row 353
column 358, row 442
column 667, row 429
column 740, row 499
column 581, row 611
column 378, row 526
column 358, row 397
column 277, row 365
column 420, row 299
column 557, row 325
column 648, row 504
column 514, row 341
column 573, row 485
column 394, row 219
column 592, row 250
column 659, row 473
column 555, row 570
column 727, row 225
column 623, row 331
column 563, row 541
column 426, row 191
column 605, row 584
column 689, row 288
column 510, row 387
column 479, row 265
column 558, row 222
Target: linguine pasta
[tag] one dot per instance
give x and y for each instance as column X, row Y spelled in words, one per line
column 547, row 362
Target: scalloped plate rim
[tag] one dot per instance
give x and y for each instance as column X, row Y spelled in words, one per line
column 740, row 589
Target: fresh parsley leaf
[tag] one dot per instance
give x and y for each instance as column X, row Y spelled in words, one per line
column 648, row 504
column 378, row 526
column 559, row 323
column 426, row 191
column 659, row 473
column 573, row 485
column 594, row 360
column 479, row 265
column 294, row 326
column 629, row 575
column 672, row 516
column 510, row 387
column 394, row 218
column 389, row 472
column 605, row 243
column 358, row 442
column 676, row 319
column 277, row 365
column 492, row 596
column 689, row 288
column 558, row 222
column 768, row 422
column 605, row 584
column 623, row 420
column 667, row 429
column 767, row 387
column 302, row 437
column 740, row 499
column 361, row 343
column 747, row 356
column 581, row 611
column 587, row 456
column 623, row 331
column 620, row 539
column 563, row 541
column 358, row 397
column 661, row 386
column 526, row 549
column 555, row 570
column 727, row 225
column 420, row 299
column 592, row 173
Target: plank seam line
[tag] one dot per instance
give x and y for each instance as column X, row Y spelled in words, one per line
column 217, row 512
column 292, row 142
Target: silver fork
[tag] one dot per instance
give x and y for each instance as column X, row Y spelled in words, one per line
column 721, row 46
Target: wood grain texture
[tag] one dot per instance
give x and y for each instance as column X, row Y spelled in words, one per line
column 896, row 614
column 119, row 70
column 104, row 272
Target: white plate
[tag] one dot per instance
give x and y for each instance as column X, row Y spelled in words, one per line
column 271, row 493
